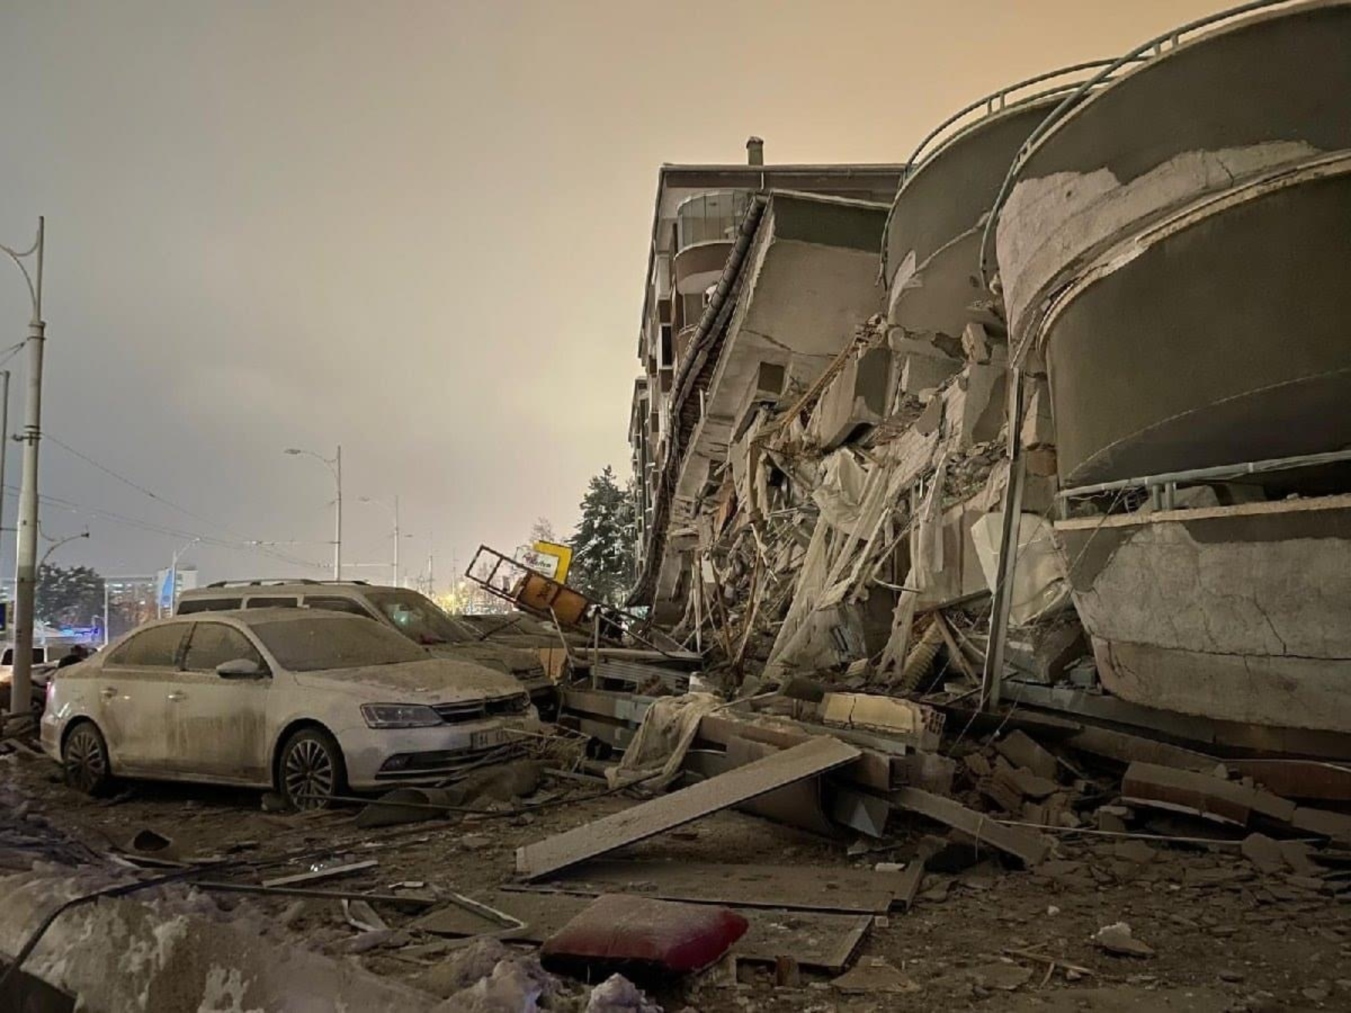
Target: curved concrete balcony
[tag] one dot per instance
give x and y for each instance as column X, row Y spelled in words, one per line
column 1232, row 613
column 698, row 266
column 931, row 257
column 1218, row 336
column 1257, row 93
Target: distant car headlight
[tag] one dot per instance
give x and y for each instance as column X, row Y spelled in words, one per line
column 399, row 715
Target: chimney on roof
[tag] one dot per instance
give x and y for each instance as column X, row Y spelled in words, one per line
column 755, row 151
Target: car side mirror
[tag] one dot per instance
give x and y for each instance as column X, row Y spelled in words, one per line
column 240, row 668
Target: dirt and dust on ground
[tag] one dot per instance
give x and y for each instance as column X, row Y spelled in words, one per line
column 1110, row 922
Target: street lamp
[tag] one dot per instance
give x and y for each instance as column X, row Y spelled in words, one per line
column 395, row 510
column 26, row 549
column 173, row 579
column 334, row 464
column 58, row 543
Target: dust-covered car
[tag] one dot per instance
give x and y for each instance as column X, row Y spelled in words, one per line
column 412, row 614
column 313, row 703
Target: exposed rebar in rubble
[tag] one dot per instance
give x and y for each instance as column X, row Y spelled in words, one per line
column 919, row 663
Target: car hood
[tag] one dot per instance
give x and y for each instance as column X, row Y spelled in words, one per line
column 436, row 680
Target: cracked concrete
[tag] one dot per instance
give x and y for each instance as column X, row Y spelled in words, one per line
column 1232, row 612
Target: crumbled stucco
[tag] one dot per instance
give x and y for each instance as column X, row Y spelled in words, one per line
column 1049, row 223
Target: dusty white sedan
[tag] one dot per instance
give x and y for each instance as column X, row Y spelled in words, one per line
column 308, row 702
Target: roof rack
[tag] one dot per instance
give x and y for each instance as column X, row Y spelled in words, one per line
column 273, row 582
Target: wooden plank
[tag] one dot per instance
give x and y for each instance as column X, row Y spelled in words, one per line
column 807, row 888
column 1029, row 848
column 819, row 940
column 591, row 840
column 321, row 874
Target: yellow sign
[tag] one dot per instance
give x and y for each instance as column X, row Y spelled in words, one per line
column 561, row 553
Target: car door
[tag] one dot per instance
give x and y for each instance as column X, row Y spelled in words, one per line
column 130, row 698
column 218, row 724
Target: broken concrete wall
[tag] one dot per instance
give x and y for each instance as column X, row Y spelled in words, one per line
column 1237, row 613
column 856, row 400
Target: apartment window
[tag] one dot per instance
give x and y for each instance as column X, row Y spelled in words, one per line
column 667, row 349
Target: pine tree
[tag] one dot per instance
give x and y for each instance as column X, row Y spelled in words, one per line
column 603, row 545
column 68, row 596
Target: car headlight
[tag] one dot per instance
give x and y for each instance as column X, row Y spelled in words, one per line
column 399, row 715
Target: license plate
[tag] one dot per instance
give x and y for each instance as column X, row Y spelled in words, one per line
column 488, row 739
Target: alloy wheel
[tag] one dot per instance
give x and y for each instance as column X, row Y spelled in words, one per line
column 86, row 761
column 308, row 775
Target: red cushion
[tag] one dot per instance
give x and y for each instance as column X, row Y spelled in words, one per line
column 624, row 930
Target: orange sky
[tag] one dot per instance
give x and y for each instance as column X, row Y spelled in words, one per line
column 418, row 229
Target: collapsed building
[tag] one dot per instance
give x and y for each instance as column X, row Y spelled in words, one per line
column 1066, row 408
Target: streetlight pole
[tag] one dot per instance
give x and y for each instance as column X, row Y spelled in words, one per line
column 26, row 549
column 173, row 579
column 397, row 535
column 334, row 464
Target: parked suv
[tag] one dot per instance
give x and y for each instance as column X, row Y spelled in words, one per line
column 414, row 615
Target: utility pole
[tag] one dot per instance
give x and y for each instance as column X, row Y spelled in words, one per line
column 334, row 465
column 397, row 534
column 4, row 440
column 337, row 513
column 173, row 579
column 26, row 550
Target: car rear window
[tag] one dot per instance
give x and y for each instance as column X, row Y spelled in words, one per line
column 334, row 642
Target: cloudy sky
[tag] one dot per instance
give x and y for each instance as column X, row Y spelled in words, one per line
column 415, row 229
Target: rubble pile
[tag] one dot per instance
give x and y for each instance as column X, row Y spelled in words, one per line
column 845, row 512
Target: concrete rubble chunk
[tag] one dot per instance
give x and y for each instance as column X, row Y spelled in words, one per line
column 874, row 975
column 1021, row 750
column 1119, row 941
column 856, row 400
column 1001, row 976
column 1263, row 852
column 1323, row 823
column 922, row 366
column 1201, row 795
column 907, row 721
column 976, row 343
column 1029, row 848
column 1038, row 426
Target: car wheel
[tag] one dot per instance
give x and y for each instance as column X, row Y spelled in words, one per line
column 85, row 758
column 311, row 771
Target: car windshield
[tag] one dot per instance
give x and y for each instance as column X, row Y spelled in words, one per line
column 336, row 642
column 417, row 618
